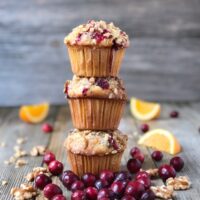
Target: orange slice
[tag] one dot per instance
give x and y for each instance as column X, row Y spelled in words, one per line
column 144, row 110
column 161, row 140
column 34, row 113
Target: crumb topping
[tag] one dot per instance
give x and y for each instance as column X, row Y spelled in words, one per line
column 98, row 33
column 89, row 142
column 110, row 87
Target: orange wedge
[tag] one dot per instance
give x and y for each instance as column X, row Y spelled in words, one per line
column 34, row 113
column 144, row 110
column 161, row 140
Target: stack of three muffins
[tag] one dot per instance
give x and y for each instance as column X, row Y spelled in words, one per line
column 96, row 97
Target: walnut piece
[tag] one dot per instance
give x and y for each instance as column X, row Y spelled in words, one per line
column 26, row 191
column 179, row 183
column 21, row 140
column 19, row 152
column 35, row 172
column 152, row 172
column 20, row 163
column 4, row 182
column 163, row 192
column 38, row 151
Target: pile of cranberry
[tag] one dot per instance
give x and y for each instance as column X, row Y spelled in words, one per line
column 108, row 185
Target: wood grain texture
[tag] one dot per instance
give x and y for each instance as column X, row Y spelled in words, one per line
column 162, row 62
column 185, row 128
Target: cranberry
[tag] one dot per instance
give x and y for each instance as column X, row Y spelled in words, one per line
column 84, row 91
column 59, row 197
column 142, row 174
column 68, row 178
column 107, row 175
column 103, row 193
column 148, row 195
column 41, row 181
column 47, row 128
column 139, row 156
column 133, row 165
column 135, row 189
column 134, row 150
column 113, row 143
column 177, row 163
column 51, row 190
column 128, row 197
column 144, row 128
column 98, row 37
column 123, row 175
column 174, row 114
column 103, row 83
column 166, row 171
column 89, row 179
column 55, row 167
column 78, row 195
column 91, row 193
column 145, row 181
column 99, row 184
column 48, row 157
column 118, row 188
column 157, row 155
column 77, row 185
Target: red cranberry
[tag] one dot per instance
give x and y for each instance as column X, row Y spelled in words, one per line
column 174, row 114
column 98, row 37
column 134, row 150
column 139, row 156
column 68, row 178
column 157, row 155
column 103, row 193
column 47, row 128
column 144, row 128
column 128, row 197
column 91, row 193
column 41, row 181
column 135, row 189
column 84, row 91
column 51, row 190
column 55, row 167
column 123, row 175
column 113, row 143
column 145, row 181
column 59, row 197
column 89, row 179
column 103, row 83
column 177, row 163
column 48, row 157
column 78, row 195
column 166, row 171
column 148, row 195
column 77, row 185
column 107, row 175
column 133, row 165
column 118, row 188
column 142, row 174
column 100, row 184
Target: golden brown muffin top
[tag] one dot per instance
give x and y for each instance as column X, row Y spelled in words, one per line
column 98, row 33
column 89, row 142
column 109, row 87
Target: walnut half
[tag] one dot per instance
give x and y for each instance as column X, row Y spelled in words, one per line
column 179, row 183
column 35, row 172
column 163, row 192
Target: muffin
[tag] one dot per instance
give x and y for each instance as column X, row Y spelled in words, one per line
column 96, row 49
column 96, row 103
column 94, row 151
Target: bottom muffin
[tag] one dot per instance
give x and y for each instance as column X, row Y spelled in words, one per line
column 94, row 151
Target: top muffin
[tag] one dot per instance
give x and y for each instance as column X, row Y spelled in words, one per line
column 98, row 33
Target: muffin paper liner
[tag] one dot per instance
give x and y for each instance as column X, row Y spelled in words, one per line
column 93, row 61
column 96, row 114
column 81, row 164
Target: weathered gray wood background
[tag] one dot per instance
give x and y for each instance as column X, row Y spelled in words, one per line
column 163, row 62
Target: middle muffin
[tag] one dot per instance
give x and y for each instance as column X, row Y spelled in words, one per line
column 96, row 103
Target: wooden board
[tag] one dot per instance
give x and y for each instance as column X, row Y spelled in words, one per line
column 185, row 128
column 164, row 50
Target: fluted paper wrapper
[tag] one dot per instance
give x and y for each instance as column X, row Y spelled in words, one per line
column 92, row 61
column 81, row 164
column 96, row 114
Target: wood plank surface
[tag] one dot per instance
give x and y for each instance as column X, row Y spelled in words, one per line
column 185, row 128
column 164, row 50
